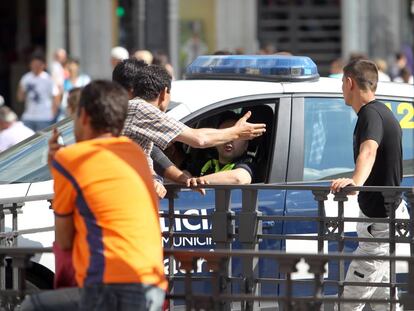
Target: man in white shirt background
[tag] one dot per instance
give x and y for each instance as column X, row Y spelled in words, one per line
column 56, row 68
column 12, row 131
column 40, row 94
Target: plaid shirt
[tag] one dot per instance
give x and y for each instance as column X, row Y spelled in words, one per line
column 147, row 125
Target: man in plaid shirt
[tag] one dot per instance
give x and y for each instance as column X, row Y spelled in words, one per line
column 148, row 124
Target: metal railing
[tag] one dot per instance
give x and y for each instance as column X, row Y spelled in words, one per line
column 248, row 300
column 250, row 219
column 243, row 291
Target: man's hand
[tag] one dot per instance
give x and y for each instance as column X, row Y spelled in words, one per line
column 195, row 181
column 54, row 146
column 340, row 183
column 249, row 130
column 160, row 189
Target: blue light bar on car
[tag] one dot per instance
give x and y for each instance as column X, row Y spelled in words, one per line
column 253, row 67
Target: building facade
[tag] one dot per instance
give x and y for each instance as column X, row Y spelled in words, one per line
column 87, row 29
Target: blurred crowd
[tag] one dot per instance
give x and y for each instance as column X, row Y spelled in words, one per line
column 45, row 89
column 399, row 70
column 49, row 90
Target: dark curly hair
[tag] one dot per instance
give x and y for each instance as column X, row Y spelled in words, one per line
column 125, row 71
column 151, row 81
column 106, row 103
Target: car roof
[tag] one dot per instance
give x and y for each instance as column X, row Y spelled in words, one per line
column 197, row 94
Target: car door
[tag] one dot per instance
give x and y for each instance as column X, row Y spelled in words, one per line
column 323, row 150
column 272, row 151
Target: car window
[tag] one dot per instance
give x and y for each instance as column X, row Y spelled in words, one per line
column 26, row 162
column 259, row 149
column 329, row 126
column 404, row 112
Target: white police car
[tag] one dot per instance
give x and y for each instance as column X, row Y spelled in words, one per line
column 308, row 138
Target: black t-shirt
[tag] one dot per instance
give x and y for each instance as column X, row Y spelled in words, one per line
column 377, row 122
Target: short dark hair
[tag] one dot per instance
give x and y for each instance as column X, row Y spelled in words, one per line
column 151, row 81
column 364, row 72
column 125, row 71
column 38, row 56
column 106, row 103
column 227, row 116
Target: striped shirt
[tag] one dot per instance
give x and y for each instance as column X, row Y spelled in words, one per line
column 147, row 125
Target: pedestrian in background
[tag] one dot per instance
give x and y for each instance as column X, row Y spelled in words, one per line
column 76, row 79
column 118, row 54
column 57, row 69
column 40, row 94
column 73, row 101
column 113, row 232
column 144, row 55
column 12, row 131
column 382, row 70
column 161, row 59
column 378, row 162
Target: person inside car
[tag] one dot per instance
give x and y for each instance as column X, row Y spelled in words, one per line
column 232, row 164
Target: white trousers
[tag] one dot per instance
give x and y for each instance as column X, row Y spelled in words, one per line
column 374, row 271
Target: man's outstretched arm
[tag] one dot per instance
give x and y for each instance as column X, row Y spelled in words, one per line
column 209, row 137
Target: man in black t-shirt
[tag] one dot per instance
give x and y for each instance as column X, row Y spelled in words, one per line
column 378, row 162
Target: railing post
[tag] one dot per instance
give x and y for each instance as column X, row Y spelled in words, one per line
column 222, row 226
column 407, row 298
column 410, row 202
column 3, row 244
column 249, row 227
column 287, row 266
column 321, row 196
column 215, row 265
column 21, row 263
column 341, row 198
column 187, row 263
column 317, row 268
column 390, row 198
column 14, row 209
column 171, row 196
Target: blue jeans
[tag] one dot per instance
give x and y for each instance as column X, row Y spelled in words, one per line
column 37, row 125
column 122, row 297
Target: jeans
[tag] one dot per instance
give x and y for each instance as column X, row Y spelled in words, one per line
column 37, row 125
column 108, row 297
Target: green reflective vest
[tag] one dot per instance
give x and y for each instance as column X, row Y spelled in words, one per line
column 213, row 163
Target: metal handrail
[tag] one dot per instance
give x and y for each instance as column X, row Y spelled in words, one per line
column 224, row 233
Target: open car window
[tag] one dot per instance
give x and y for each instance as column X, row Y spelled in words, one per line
column 26, row 162
column 193, row 159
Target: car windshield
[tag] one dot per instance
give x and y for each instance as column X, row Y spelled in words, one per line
column 26, row 162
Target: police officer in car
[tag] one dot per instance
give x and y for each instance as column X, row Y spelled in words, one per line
column 232, row 165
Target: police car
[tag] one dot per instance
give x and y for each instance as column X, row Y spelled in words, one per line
column 308, row 139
